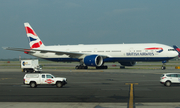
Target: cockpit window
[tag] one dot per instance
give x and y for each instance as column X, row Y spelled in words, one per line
column 171, row 49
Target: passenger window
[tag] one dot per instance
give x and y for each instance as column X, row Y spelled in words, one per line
column 168, row 75
column 173, row 75
column 43, row 76
column 178, row 75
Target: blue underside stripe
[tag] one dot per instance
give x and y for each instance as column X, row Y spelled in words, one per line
column 113, row 59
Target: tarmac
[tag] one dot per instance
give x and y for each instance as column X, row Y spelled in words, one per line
column 84, row 105
column 91, row 89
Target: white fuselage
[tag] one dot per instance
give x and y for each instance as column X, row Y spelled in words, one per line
column 114, row 52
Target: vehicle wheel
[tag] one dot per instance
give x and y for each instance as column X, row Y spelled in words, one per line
column 168, row 83
column 58, row 84
column 33, row 85
column 25, row 71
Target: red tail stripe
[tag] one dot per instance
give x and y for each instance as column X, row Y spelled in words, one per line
column 29, row 30
column 36, row 45
column 178, row 49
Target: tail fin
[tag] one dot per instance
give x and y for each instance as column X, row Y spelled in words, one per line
column 34, row 40
column 177, row 49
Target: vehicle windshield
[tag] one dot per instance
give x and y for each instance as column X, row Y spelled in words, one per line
column 162, row 75
column 53, row 76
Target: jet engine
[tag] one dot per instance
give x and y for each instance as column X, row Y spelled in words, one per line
column 128, row 63
column 93, row 60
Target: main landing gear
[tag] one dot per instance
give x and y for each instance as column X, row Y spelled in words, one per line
column 86, row 67
column 163, row 67
column 101, row 67
column 122, row 67
column 81, row 67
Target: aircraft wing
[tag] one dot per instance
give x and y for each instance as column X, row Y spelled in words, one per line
column 70, row 54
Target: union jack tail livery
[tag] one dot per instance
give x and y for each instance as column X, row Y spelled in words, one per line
column 34, row 40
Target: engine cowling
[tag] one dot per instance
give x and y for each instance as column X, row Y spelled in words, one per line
column 93, row 60
column 128, row 63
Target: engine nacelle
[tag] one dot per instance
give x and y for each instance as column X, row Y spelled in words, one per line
column 93, row 60
column 128, row 63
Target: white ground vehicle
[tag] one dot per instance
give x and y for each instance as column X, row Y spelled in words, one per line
column 35, row 79
column 170, row 78
column 31, row 66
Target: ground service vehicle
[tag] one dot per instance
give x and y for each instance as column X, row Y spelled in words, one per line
column 31, row 66
column 170, row 78
column 35, row 79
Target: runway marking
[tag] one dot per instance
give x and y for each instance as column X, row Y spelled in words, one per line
column 131, row 103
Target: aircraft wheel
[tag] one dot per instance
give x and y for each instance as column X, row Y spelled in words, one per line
column 77, row 67
column 122, row 67
column 101, row 67
column 85, row 67
column 81, row 67
column 163, row 67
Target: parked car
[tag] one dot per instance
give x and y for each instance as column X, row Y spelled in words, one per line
column 170, row 78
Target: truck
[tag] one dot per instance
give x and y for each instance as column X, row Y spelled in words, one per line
column 30, row 66
column 35, row 79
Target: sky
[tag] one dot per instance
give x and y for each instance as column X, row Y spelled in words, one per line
column 71, row 22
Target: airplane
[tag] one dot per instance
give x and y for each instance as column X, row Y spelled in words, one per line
column 97, row 55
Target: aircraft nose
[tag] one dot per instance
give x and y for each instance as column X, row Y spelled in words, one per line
column 174, row 53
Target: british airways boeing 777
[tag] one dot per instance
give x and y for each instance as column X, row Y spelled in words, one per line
column 97, row 55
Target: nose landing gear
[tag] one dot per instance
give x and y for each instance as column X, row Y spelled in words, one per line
column 163, row 67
